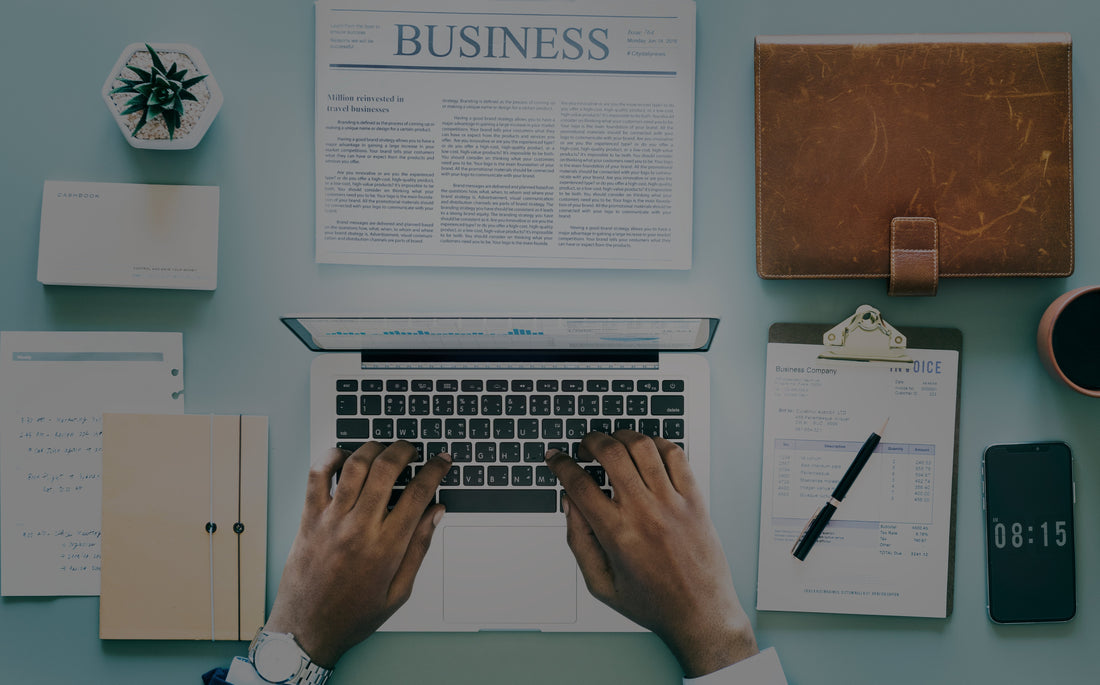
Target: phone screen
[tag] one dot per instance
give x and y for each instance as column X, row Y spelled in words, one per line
column 1031, row 573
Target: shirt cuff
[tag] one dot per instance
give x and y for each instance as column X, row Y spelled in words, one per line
column 760, row 669
column 241, row 672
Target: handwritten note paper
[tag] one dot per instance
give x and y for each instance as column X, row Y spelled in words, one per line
column 54, row 388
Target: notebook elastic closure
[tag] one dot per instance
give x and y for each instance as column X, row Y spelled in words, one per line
column 914, row 256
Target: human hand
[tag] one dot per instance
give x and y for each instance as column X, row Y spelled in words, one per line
column 651, row 552
column 352, row 563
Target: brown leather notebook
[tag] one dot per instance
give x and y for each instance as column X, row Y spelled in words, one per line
column 914, row 157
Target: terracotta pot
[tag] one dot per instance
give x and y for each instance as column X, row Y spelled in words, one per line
column 1045, row 338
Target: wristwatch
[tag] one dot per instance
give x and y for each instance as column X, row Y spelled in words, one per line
column 278, row 658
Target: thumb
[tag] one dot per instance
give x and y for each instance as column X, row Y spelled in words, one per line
column 590, row 554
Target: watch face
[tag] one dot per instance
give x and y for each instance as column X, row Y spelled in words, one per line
column 277, row 658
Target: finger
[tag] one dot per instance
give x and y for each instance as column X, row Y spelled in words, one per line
column 319, row 481
column 676, row 464
column 418, row 494
column 591, row 558
column 614, row 456
column 583, row 490
column 647, row 460
column 353, row 475
column 421, row 540
column 384, row 470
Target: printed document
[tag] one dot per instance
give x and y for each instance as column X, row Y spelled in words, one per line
column 886, row 550
column 54, row 389
column 506, row 134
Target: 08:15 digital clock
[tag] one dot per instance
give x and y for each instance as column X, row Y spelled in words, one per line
column 1028, row 497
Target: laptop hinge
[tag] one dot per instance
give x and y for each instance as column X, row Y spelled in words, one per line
column 515, row 359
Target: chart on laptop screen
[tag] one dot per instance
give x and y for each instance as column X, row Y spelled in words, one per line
column 363, row 333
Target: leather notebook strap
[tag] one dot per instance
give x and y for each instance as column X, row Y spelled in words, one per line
column 914, row 256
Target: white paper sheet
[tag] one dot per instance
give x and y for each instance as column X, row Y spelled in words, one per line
column 886, row 549
column 509, row 134
column 54, row 388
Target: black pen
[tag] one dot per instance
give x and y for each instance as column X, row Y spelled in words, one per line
column 821, row 518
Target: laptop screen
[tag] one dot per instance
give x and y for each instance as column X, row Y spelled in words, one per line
column 367, row 333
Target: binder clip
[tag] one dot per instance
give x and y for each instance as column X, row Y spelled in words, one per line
column 865, row 337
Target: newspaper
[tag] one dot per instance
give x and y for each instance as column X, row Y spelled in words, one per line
column 505, row 134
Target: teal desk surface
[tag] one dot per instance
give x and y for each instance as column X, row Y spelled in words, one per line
column 239, row 358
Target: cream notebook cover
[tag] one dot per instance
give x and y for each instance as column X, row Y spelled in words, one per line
column 165, row 477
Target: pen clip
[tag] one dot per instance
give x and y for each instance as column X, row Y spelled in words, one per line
column 805, row 528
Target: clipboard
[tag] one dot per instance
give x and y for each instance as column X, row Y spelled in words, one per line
column 865, row 340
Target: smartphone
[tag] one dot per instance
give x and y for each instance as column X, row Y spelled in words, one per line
column 1028, row 496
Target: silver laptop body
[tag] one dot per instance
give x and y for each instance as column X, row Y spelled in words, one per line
column 499, row 560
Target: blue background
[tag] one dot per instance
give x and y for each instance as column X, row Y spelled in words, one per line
column 239, row 358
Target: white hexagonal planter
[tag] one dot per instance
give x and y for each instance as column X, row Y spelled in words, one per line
column 197, row 116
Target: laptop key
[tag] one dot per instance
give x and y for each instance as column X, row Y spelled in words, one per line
column 496, row 476
column 462, row 451
column 673, row 429
column 422, row 386
column 544, row 477
column 383, row 429
column 504, row 429
column 480, row 429
column 539, row 405
column 515, row 405
column 407, row 429
column 431, row 429
column 575, row 429
column 625, row 425
column 370, row 405
column 597, row 385
column 347, row 385
column 667, row 405
column 521, row 476
column 443, row 405
column 371, row 385
column 472, row 385
column 572, row 386
column 648, row 386
column 420, row 405
column 492, row 405
column 453, row 477
column 534, row 452
column 650, row 427
column 467, row 405
column 345, row 405
column 523, row 385
column 509, row 451
column 564, row 405
column 546, row 386
column 527, row 429
column 446, row 386
column 597, row 474
column 622, row 385
column 637, row 405
column 485, row 451
column 472, row 476
column 454, row 429
column 496, row 386
column 349, row 446
column 395, row 405
column 504, row 500
column 672, row 386
column 588, row 405
column 435, row 448
column 552, row 429
column 397, row 385
column 599, row 426
column 612, row 405
column 353, row 428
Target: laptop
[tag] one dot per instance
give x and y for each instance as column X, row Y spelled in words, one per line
column 497, row 393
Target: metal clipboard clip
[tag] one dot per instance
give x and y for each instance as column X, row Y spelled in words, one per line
column 865, row 337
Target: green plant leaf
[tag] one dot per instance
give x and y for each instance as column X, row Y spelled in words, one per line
column 157, row 64
column 185, row 95
column 192, row 81
column 123, row 89
column 141, row 122
column 142, row 74
column 177, row 106
column 131, row 109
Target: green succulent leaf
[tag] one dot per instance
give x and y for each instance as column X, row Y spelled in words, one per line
column 157, row 64
column 142, row 74
column 184, row 95
column 192, row 81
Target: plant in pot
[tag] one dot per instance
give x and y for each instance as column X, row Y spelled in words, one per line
column 162, row 96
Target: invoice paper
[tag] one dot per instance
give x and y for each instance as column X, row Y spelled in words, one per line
column 886, row 550
column 504, row 133
column 54, row 389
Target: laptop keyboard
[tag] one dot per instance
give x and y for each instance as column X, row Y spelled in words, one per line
column 498, row 431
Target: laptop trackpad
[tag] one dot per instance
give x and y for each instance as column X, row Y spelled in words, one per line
column 508, row 574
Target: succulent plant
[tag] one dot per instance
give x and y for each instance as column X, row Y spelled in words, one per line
column 158, row 91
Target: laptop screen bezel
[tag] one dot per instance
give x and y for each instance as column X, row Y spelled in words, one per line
column 295, row 323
